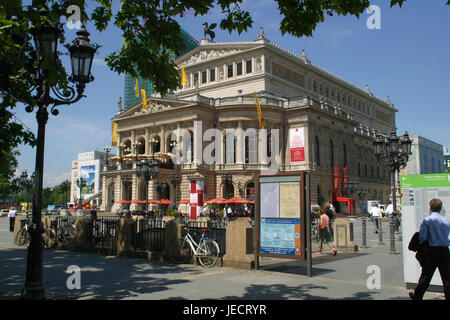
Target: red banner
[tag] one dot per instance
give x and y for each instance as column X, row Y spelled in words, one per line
column 335, row 181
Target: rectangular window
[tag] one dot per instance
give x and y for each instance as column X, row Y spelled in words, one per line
column 248, row 66
column 230, row 71
column 195, row 78
column 212, row 75
column 203, row 77
column 239, row 69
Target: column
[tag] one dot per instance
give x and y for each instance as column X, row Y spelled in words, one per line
column 240, row 147
column 147, row 141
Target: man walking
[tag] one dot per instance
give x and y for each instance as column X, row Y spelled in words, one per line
column 376, row 215
column 435, row 230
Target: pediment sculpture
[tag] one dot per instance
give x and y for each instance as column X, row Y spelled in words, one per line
column 152, row 107
column 208, row 55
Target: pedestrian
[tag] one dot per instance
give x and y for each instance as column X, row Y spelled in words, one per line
column 12, row 218
column 390, row 211
column 324, row 232
column 375, row 214
column 329, row 212
column 435, row 230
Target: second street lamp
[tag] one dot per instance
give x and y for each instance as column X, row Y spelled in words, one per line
column 147, row 170
column 393, row 152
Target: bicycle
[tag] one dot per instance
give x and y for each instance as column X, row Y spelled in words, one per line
column 23, row 237
column 65, row 233
column 207, row 250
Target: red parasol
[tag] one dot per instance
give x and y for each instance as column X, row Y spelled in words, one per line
column 124, row 201
column 236, row 200
column 216, row 200
column 185, row 201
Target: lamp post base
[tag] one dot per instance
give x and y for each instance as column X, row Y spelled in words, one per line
column 33, row 291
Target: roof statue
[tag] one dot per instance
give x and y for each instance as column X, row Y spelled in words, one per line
column 261, row 34
column 368, row 90
column 208, row 30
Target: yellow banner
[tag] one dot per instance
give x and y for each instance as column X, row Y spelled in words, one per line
column 262, row 122
column 136, row 88
column 183, row 76
column 144, row 100
column 114, row 134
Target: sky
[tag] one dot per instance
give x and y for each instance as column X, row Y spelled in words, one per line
column 407, row 59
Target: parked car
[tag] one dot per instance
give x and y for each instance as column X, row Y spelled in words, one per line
column 4, row 212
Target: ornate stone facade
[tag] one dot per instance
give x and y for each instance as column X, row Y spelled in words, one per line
column 338, row 119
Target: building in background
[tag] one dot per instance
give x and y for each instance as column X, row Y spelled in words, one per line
column 130, row 98
column 427, row 156
column 89, row 165
column 446, row 159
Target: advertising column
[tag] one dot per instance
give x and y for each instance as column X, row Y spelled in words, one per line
column 196, row 198
column 417, row 191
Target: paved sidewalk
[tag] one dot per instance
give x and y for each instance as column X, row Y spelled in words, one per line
column 342, row 277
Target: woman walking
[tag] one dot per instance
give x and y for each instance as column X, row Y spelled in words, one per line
column 12, row 217
column 324, row 232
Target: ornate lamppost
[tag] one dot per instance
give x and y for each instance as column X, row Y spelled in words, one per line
column 27, row 184
column 81, row 182
column 65, row 188
column 175, row 179
column 107, row 150
column 393, row 152
column 147, row 170
column 46, row 36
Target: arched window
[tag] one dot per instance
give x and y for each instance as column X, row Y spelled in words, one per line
column 228, row 190
column 432, row 165
column 155, row 144
column 250, row 191
column 317, row 150
column 425, row 164
column 269, row 145
column 140, row 146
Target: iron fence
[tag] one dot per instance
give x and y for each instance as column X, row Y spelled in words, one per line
column 148, row 234
column 104, row 233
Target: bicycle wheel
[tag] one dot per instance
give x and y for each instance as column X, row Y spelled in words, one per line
column 49, row 239
column 208, row 253
column 179, row 250
column 22, row 238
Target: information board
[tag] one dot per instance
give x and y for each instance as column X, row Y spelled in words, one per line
column 417, row 191
column 280, row 216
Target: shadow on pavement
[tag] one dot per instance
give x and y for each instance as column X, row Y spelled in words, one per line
column 101, row 277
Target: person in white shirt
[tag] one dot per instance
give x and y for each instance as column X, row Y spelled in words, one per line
column 12, row 218
column 376, row 215
column 389, row 209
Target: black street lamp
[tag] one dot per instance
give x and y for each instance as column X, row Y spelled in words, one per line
column 107, row 150
column 393, row 152
column 175, row 179
column 46, row 36
column 27, row 184
column 147, row 170
column 81, row 182
column 65, row 186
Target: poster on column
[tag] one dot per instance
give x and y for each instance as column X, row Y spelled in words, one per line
column 280, row 216
column 88, row 174
column 297, row 144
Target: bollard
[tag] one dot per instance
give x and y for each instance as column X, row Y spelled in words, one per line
column 380, row 232
column 392, row 235
column 364, row 232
